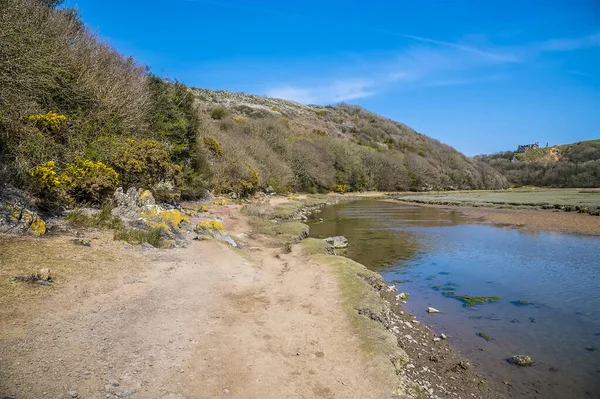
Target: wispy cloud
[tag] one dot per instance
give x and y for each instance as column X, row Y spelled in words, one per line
column 580, row 73
column 466, row 81
column 338, row 91
column 570, row 44
column 465, row 48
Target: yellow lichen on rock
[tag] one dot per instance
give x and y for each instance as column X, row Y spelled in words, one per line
column 190, row 212
column 37, row 227
column 155, row 213
column 210, row 227
column 145, row 197
column 174, row 217
column 30, row 222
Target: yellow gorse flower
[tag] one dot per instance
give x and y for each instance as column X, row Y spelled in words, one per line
column 50, row 120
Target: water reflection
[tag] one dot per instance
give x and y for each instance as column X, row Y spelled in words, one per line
column 375, row 230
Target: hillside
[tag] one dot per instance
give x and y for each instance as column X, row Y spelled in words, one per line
column 77, row 119
column 314, row 148
column 566, row 165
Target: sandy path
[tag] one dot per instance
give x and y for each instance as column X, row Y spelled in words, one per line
column 206, row 321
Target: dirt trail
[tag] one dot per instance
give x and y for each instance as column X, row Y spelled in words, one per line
column 206, row 321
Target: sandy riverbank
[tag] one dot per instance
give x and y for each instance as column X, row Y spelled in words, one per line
column 528, row 219
column 210, row 321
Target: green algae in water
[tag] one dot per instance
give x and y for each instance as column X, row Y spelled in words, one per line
column 444, row 273
column 401, row 281
column 471, row 300
column 521, row 302
column 430, row 278
column 436, row 287
column 485, row 336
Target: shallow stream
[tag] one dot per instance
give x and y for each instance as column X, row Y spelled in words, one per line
column 547, row 286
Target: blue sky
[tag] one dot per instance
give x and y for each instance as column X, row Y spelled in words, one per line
column 482, row 76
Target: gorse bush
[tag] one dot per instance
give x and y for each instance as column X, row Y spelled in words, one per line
column 213, row 145
column 88, row 181
column 218, row 113
column 81, row 181
column 145, row 162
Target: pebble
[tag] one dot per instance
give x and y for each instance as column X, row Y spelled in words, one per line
column 432, row 310
column 436, row 339
column 443, row 336
column 72, row 394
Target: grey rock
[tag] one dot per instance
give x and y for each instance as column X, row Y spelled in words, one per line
column 72, row 394
column 464, row 364
column 403, row 296
column 124, row 393
column 126, row 203
column 432, row 310
column 521, row 360
column 119, row 392
column 45, row 274
column 337, row 241
column 81, row 241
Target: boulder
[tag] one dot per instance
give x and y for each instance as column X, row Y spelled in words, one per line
column 16, row 216
column 213, row 229
column 403, row 296
column 337, row 242
column 126, row 203
column 521, row 360
column 45, row 274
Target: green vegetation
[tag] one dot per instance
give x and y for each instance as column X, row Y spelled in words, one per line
column 521, row 302
column 485, row 336
column 91, row 117
column 569, row 165
column 474, row 300
column 101, row 219
column 138, row 236
column 218, row 113
column 77, row 118
column 471, row 300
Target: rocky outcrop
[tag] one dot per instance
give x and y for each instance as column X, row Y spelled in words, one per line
column 16, row 216
column 140, row 209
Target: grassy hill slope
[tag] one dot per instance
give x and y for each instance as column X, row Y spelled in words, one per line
column 567, row 165
column 314, row 148
column 78, row 119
